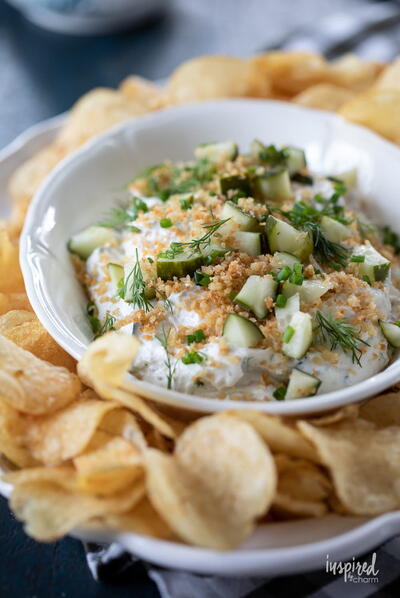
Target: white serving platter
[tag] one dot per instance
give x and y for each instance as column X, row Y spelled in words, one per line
column 274, row 549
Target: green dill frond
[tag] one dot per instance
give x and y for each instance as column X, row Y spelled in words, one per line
column 123, row 213
column 163, row 339
column 167, row 303
column 327, row 252
column 107, row 325
column 134, row 287
column 195, row 245
column 340, row 334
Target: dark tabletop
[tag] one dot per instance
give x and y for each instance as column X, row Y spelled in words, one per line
column 42, row 74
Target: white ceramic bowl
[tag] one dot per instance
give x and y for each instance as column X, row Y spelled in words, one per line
column 85, row 185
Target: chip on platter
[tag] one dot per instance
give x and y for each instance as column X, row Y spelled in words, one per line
column 32, row 385
column 377, row 109
column 63, row 435
column 104, row 365
column 363, row 461
column 303, row 488
column 324, row 96
column 50, row 510
column 220, row 479
column 280, row 435
column 110, row 468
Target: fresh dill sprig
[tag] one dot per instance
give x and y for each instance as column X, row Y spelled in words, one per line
column 107, row 325
column 330, row 206
column 195, row 245
column 163, row 339
column 301, row 213
column 134, row 287
column 340, row 334
column 167, row 303
column 97, row 327
column 124, row 212
column 198, row 245
column 327, row 252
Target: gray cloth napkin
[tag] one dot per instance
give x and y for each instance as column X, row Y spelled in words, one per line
column 110, row 563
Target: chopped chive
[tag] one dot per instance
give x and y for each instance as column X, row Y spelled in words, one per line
column 166, row 222
column 202, row 279
column 150, row 260
column 358, row 258
column 186, row 203
column 298, row 268
column 288, row 334
column 283, row 274
column 367, row 279
column 192, row 357
column 281, row 301
column 196, row 337
column 296, row 278
column 279, row 393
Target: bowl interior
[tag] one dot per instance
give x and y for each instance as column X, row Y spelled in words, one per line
column 84, row 186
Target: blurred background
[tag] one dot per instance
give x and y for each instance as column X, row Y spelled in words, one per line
column 81, row 44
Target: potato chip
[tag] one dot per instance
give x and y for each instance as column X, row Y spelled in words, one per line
column 50, row 509
column 390, row 76
column 142, row 91
column 143, row 519
column 94, row 113
column 110, row 468
column 24, row 329
column 11, row 278
column 63, row 475
column 32, row 385
column 27, row 179
column 363, row 462
column 324, row 96
column 103, row 367
column 156, row 440
column 289, row 73
column 108, row 358
column 120, row 422
column 4, row 303
column 66, row 433
column 211, row 77
column 13, row 301
column 303, row 488
column 383, row 411
column 347, row 412
column 280, row 436
column 377, row 109
column 12, row 432
column 354, row 73
column 219, row 480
